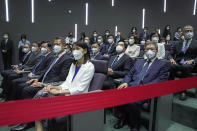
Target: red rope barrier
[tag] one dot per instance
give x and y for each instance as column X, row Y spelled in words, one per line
column 23, row 111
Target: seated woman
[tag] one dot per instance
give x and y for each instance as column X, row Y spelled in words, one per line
column 78, row 80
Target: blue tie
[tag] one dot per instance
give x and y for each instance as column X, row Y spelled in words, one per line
column 184, row 49
column 109, row 48
column 52, row 64
column 142, row 73
column 38, row 64
column 115, row 61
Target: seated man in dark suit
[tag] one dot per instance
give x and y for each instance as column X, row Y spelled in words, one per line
column 102, row 45
column 110, row 47
column 184, row 56
column 30, row 59
column 118, row 66
column 57, row 71
column 145, row 71
column 39, row 69
column 96, row 54
column 93, row 39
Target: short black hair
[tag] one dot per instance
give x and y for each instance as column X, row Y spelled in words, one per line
column 23, row 36
column 125, row 45
column 48, row 43
column 151, row 43
column 110, row 35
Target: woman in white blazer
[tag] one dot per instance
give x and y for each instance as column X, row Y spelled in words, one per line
column 79, row 77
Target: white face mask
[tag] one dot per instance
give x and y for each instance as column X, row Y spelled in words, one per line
column 167, row 38
column 77, row 54
column 134, row 30
column 86, row 41
column 33, row 49
column 143, row 42
column 94, row 35
column 150, row 54
column 106, row 33
column 57, row 49
column 43, row 50
column 119, row 49
column 99, row 40
column 110, row 41
column 94, row 50
column 25, row 50
column 189, row 35
column 131, row 41
column 155, row 39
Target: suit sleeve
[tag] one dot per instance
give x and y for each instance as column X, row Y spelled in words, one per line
column 128, row 63
column 128, row 78
column 63, row 71
column 163, row 75
column 173, row 51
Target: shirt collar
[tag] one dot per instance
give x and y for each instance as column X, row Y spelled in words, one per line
column 60, row 55
column 120, row 55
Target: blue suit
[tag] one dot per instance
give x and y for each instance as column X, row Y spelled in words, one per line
column 157, row 72
column 142, row 36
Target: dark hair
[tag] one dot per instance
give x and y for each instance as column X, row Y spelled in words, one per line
column 134, row 28
column 48, row 43
column 107, row 30
column 23, row 36
column 96, row 43
column 178, row 28
column 61, row 38
column 151, row 43
column 125, row 45
column 110, row 35
column 146, row 27
column 84, row 46
column 6, row 33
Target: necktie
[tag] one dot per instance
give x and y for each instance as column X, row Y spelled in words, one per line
column 25, row 57
column 143, row 73
column 109, row 48
column 52, row 64
column 184, row 49
column 42, row 58
column 115, row 61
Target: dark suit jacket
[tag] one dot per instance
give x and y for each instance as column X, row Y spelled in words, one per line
column 121, row 68
column 92, row 40
column 190, row 54
column 7, row 46
column 31, row 62
column 103, row 49
column 157, row 72
column 42, row 68
column 25, row 58
column 98, row 57
column 142, row 36
column 59, row 71
column 112, row 50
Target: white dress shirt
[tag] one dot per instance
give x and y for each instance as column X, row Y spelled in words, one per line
column 81, row 82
